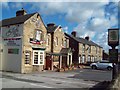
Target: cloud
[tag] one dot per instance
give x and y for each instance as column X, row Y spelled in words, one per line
column 65, row 29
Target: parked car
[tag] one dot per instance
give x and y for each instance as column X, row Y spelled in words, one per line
column 102, row 65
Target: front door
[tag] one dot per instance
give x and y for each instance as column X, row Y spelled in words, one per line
column 48, row 63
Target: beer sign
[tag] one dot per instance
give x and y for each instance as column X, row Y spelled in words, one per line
column 113, row 37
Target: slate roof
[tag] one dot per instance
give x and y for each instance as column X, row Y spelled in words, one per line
column 65, row 50
column 82, row 40
column 51, row 29
column 15, row 20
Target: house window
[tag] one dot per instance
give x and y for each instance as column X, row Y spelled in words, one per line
column 83, row 59
column 38, row 57
column 62, row 42
column 56, row 41
column 96, row 50
column 27, row 57
column 89, row 58
column 47, row 41
column 38, row 35
column 83, row 48
column 89, row 49
column 65, row 43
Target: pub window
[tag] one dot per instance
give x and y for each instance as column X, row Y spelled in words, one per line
column 38, row 57
column 13, row 51
column 27, row 57
column 38, row 35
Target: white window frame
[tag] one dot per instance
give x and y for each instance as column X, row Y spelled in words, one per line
column 38, row 57
column 29, row 59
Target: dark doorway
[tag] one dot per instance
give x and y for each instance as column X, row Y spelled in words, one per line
column 48, row 63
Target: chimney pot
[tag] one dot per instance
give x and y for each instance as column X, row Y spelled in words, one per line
column 87, row 38
column 74, row 33
column 21, row 12
column 51, row 25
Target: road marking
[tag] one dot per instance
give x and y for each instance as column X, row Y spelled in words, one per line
column 40, row 85
column 73, row 82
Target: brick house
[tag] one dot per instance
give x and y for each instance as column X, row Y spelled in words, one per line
column 84, row 50
column 58, row 53
column 105, row 56
column 23, row 39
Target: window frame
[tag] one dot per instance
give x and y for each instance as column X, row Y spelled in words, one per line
column 28, row 53
column 39, row 54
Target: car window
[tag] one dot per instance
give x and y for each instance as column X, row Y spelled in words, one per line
column 104, row 61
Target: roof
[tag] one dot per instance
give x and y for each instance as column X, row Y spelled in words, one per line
column 65, row 50
column 51, row 29
column 15, row 20
column 82, row 40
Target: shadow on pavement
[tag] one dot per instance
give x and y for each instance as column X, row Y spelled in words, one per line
column 20, row 79
column 102, row 85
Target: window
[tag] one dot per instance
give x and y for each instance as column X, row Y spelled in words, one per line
column 89, row 57
column 83, row 48
column 38, row 35
column 83, row 59
column 65, row 43
column 27, row 57
column 89, row 49
column 62, row 42
column 13, row 51
column 47, row 41
column 38, row 57
column 96, row 50
column 56, row 41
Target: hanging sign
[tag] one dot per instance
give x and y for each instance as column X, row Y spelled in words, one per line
column 113, row 37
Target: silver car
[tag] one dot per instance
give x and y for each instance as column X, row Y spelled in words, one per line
column 102, row 65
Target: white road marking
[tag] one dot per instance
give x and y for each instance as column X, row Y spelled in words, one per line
column 73, row 82
column 40, row 85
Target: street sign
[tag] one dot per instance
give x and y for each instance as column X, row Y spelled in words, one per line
column 113, row 37
column 113, row 55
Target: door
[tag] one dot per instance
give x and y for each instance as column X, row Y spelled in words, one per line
column 48, row 63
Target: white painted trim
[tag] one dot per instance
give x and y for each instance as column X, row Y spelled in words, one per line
column 39, row 51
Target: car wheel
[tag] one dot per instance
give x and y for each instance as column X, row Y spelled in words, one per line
column 109, row 68
column 94, row 67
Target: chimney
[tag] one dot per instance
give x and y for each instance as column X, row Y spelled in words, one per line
column 73, row 33
column 21, row 12
column 87, row 38
column 51, row 25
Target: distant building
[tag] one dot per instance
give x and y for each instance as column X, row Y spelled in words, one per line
column 84, row 50
column 105, row 56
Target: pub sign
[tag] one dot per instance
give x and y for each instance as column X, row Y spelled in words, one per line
column 113, row 37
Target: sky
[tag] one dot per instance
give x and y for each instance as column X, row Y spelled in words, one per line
column 91, row 18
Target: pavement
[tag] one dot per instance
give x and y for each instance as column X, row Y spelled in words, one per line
column 81, row 78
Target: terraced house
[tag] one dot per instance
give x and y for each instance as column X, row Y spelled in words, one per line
column 24, row 42
column 58, row 53
column 85, row 50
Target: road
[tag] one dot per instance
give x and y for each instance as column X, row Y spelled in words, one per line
column 82, row 78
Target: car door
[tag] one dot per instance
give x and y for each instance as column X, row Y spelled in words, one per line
column 101, row 65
